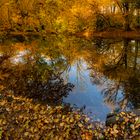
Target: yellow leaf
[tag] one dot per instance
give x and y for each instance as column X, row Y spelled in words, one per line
column 80, row 124
column 62, row 124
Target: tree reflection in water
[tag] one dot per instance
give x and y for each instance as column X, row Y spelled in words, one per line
column 34, row 77
column 118, row 70
column 38, row 71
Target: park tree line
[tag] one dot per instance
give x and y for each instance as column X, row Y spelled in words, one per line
column 69, row 16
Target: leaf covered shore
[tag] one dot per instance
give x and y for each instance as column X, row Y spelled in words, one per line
column 21, row 118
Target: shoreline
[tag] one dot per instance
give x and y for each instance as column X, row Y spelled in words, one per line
column 111, row 34
column 88, row 34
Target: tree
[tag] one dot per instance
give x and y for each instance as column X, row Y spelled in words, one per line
column 137, row 7
column 128, row 8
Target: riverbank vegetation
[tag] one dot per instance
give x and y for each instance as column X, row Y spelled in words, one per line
column 72, row 16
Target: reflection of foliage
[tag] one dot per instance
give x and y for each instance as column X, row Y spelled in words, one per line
column 132, row 90
column 34, row 82
column 38, row 74
column 118, row 63
column 38, row 77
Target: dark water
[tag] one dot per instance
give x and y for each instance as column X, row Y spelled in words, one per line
column 95, row 75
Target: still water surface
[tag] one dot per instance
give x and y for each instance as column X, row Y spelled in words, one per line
column 95, row 75
column 86, row 95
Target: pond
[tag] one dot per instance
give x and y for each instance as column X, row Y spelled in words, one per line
column 96, row 75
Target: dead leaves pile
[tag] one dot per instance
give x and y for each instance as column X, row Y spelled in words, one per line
column 127, row 126
column 21, row 118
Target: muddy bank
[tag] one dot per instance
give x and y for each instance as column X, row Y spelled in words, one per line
column 88, row 34
column 26, row 33
column 111, row 34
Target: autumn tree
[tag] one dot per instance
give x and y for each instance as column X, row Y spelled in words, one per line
column 137, row 7
column 127, row 8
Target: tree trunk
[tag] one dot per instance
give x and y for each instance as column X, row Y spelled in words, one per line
column 136, row 55
column 126, row 17
column 127, row 23
column 125, row 52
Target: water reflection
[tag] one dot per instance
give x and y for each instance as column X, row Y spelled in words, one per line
column 119, row 73
column 45, row 69
column 28, row 73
